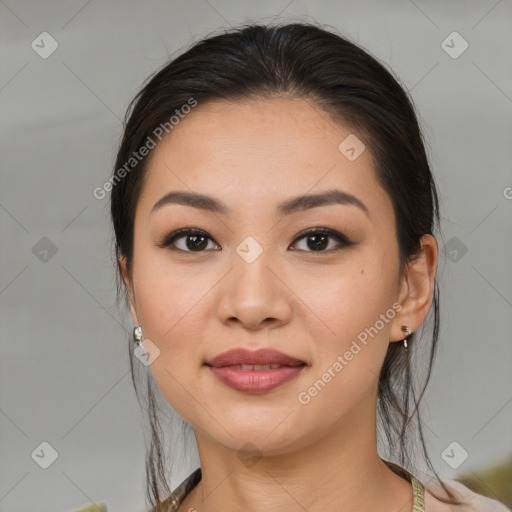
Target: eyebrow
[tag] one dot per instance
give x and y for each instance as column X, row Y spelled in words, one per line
column 295, row 204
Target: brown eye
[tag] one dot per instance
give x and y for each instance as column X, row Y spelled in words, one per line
column 188, row 240
column 318, row 240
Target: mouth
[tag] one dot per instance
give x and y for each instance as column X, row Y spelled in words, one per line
column 246, row 367
column 262, row 359
column 255, row 372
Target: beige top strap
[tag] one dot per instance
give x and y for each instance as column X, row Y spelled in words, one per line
column 418, row 491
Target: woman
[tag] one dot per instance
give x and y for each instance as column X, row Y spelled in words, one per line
column 274, row 216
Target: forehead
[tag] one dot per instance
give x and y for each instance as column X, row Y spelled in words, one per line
column 260, row 149
column 273, row 127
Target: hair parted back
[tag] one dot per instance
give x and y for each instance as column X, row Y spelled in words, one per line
column 299, row 60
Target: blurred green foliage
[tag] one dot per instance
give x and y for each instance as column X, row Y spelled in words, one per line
column 95, row 507
column 493, row 481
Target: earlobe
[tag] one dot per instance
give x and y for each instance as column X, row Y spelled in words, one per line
column 417, row 289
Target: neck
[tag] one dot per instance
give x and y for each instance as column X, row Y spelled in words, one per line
column 341, row 471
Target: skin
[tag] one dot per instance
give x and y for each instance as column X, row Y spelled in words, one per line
column 252, row 155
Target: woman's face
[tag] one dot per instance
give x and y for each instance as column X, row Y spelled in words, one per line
column 257, row 281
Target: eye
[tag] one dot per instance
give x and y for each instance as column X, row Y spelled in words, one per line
column 317, row 240
column 192, row 240
column 195, row 240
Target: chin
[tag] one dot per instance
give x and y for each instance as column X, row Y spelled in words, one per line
column 260, row 439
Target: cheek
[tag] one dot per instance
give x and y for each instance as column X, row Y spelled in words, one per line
column 172, row 312
column 350, row 316
column 168, row 295
column 172, row 315
column 344, row 300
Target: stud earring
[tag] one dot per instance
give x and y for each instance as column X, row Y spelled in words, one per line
column 407, row 330
column 138, row 335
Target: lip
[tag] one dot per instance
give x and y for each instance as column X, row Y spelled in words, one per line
column 262, row 356
column 255, row 380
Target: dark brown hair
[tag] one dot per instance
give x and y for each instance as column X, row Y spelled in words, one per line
column 299, row 60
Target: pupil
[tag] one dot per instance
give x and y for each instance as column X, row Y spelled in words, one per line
column 321, row 244
column 197, row 242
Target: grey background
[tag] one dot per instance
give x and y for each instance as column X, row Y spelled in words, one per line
column 64, row 366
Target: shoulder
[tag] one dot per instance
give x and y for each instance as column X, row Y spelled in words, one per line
column 471, row 501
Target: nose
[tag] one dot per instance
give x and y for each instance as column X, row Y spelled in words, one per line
column 254, row 294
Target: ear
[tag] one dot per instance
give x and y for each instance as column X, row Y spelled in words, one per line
column 417, row 289
column 129, row 287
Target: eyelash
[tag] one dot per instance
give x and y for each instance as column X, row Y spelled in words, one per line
column 184, row 232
